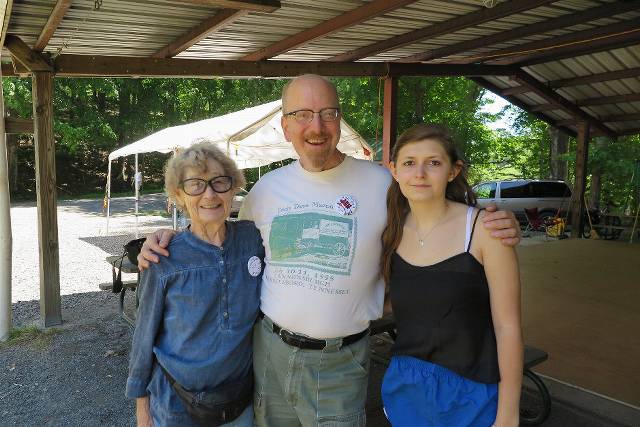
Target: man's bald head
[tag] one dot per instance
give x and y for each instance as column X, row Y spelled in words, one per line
column 306, row 78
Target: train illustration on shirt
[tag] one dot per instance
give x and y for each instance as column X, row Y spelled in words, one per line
column 315, row 240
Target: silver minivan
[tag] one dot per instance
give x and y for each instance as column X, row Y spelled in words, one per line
column 550, row 197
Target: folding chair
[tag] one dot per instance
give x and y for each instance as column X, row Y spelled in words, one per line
column 534, row 221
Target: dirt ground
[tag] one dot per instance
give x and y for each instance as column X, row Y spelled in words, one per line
column 581, row 303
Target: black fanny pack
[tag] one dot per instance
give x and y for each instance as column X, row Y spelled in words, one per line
column 216, row 407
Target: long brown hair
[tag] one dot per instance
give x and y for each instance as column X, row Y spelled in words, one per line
column 458, row 190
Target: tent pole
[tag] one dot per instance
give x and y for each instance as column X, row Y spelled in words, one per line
column 108, row 193
column 136, row 183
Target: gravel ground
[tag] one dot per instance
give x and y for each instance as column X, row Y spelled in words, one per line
column 75, row 376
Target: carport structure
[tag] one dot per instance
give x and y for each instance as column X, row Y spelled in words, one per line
column 573, row 63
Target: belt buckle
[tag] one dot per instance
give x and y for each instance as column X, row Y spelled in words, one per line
column 284, row 332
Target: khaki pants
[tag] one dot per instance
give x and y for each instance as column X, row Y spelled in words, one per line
column 308, row 388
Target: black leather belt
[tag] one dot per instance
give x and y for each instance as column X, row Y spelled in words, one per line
column 307, row 343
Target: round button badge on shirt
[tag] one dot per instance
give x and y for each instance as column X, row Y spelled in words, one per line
column 254, row 266
column 345, row 204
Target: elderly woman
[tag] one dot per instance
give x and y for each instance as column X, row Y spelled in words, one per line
column 191, row 355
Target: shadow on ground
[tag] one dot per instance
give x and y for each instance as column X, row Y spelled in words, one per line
column 78, row 378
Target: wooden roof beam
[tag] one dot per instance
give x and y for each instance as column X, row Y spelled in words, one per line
column 545, row 107
column 223, row 18
column 628, row 132
column 628, row 73
column 604, row 100
column 103, row 66
column 632, row 117
column 360, row 14
column 589, row 102
column 30, row 59
column 55, row 17
column 518, row 103
column 516, row 90
column 570, row 45
column 251, row 5
column 480, row 16
column 8, row 70
column 584, row 80
column 552, row 97
column 606, row 10
column 18, row 125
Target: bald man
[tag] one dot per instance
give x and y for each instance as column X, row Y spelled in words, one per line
column 321, row 219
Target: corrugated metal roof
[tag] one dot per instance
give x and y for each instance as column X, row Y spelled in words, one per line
column 143, row 27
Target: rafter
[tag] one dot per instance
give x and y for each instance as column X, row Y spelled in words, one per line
column 366, row 11
column 18, row 125
column 569, row 45
column 223, row 18
column 607, row 10
column 596, row 78
column 30, row 59
column 583, row 80
column 545, row 107
column 100, row 66
column 552, row 97
column 7, row 69
column 518, row 103
column 589, row 102
column 630, row 131
column 464, row 21
column 56, row 16
column 604, row 100
column 516, row 90
column 252, row 5
column 631, row 117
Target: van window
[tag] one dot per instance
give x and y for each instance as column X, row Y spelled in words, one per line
column 550, row 189
column 486, row 191
column 514, row 190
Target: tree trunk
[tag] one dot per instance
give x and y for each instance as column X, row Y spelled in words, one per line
column 559, row 147
column 596, row 178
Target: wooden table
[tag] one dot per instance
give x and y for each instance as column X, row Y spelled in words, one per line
column 121, row 265
column 611, row 226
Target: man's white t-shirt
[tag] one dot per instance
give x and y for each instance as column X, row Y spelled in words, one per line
column 321, row 232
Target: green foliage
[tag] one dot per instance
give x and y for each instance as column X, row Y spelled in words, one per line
column 96, row 116
column 619, row 162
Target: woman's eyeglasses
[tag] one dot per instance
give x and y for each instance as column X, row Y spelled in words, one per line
column 197, row 186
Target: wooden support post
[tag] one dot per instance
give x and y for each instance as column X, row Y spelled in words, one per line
column 5, row 232
column 389, row 117
column 50, row 311
column 577, row 201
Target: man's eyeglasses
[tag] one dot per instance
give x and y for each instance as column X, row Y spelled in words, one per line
column 306, row 116
column 197, row 186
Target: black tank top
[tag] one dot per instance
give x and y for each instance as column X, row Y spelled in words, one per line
column 443, row 313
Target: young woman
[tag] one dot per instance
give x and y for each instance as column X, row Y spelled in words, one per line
column 455, row 295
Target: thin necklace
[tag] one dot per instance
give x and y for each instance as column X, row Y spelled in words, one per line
column 421, row 239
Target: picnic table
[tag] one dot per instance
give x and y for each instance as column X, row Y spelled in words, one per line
column 119, row 265
column 611, row 226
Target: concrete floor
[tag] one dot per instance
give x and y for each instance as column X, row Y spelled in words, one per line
column 581, row 303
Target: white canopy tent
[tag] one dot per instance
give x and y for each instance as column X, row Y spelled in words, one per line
column 252, row 137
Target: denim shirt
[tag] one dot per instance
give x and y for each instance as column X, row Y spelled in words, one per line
column 197, row 309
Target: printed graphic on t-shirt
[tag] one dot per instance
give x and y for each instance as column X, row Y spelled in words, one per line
column 321, row 242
